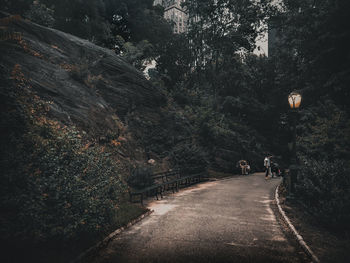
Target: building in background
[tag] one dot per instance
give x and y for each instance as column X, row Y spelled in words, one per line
column 273, row 36
column 174, row 12
column 158, row 2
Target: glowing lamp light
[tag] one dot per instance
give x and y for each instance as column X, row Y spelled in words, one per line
column 294, row 100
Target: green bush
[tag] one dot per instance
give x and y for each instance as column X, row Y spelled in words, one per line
column 54, row 184
column 188, row 155
column 41, row 14
column 141, row 177
column 324, row 187
column 58, row 189
column 323, row 146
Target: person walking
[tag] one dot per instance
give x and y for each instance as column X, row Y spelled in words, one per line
column 247, row 168
column 267, row 164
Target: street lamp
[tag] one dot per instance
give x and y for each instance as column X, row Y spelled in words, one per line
column 294, row 100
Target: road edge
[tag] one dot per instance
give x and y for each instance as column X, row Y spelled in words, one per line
column 90, row 251
column 297, row 236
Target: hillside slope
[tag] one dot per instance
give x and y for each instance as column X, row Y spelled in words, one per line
column 72, row 123
column 85, row 84
column 75, row 122
column 95, row 90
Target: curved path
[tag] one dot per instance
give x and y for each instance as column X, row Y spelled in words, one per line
column 230, row 220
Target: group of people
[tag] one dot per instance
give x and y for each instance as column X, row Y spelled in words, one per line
column 271, row 168
column 245, row 167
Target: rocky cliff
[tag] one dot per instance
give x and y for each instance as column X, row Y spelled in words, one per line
column 74, row 120
column 92, row 88
column 85, row 85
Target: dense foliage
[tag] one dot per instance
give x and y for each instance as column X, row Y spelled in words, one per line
column 141, row 177
column 224, row 103
column 324, row 188
column 238, row 102
column 312, row 56
column 135, row 29
column 56, row 187
column 218, row 85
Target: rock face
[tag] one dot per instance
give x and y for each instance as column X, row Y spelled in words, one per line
column 87, row 86
column 92, row 88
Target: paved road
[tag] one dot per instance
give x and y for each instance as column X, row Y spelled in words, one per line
column 229, row 220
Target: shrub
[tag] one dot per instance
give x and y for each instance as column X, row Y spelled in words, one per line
column 59, row 190
column 53, row 185
column 140, row 177
column 324, row 187
column 188, row 155
column 41, row 14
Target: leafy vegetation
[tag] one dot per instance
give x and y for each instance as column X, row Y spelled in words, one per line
column 135, row 29
column 140, row 177
column 311, row 57
column 224, row 104
column 56, row 187
column 324, row 188
column 237, row 104
column 40, row 14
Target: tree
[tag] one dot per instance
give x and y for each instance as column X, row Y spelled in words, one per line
column 314, row 41
column 312, row 57
column 40, row 14
column 218, row 29
column 174, row 60
column 137, row 20
column 85, row 20
column 15, row 6
column 138, row 55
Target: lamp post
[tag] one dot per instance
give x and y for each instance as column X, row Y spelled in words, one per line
column 294, row 100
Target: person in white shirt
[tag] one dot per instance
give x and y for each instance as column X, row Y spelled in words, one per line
column 267, row 164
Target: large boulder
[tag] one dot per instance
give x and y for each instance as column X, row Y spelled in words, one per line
column 86, row 85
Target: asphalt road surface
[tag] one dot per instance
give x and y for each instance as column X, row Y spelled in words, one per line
column 230, row 220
